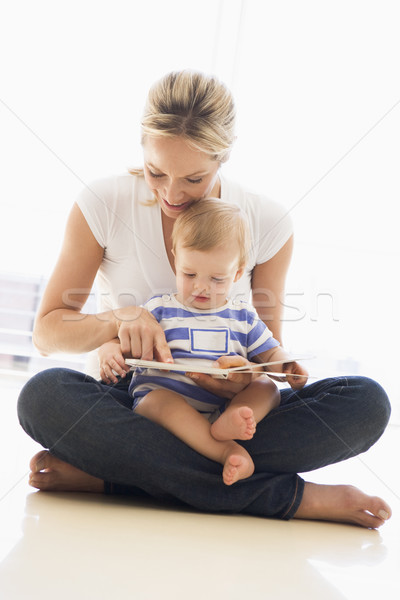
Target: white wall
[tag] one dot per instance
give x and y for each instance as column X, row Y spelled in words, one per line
column 318, row 98
column 317, row 90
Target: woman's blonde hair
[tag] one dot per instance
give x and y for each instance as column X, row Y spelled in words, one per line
column 209, row 223
column 194, row 106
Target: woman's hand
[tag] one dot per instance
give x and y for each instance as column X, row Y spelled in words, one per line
column 226, row 388
column 140, row 334
column 112, row 362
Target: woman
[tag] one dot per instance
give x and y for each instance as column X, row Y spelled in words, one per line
column 120, row 231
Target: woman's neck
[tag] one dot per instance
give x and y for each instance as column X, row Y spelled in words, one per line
column 167, row 225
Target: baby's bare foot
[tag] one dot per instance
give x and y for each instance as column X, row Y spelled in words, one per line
column 344, row 504
column 236, row 423
column 49, row 473
column 238, row 464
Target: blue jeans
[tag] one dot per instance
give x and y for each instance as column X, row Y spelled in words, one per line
column 92, row 427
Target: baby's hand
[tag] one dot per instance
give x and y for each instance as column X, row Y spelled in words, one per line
column 293, row 368
column 226, row 388
column 112, row 362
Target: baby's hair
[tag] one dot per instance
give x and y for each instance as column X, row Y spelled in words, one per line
column 209, row 223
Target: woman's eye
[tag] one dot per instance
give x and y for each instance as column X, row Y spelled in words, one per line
column 190, row 275
column 155, row 175
column 158, row 175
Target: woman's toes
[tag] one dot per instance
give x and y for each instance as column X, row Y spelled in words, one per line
column 384, row 514
column 379, row 508
column 41, row 481
column 50, row 473
column 40, row 461
column 343, row 503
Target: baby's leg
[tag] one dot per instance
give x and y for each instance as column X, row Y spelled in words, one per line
column 246, row 409
column 170, row 410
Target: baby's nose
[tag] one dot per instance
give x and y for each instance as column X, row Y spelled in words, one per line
column 201, row 285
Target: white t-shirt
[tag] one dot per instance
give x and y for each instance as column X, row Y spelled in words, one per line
column 135, row 265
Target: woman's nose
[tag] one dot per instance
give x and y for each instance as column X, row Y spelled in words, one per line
column 172, row 193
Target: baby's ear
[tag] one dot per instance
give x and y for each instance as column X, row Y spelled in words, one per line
column 239, row 273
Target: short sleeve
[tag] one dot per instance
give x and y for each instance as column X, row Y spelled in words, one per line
column 272, row 227
column 259, row 337
column 270, row 222
column 95, row 201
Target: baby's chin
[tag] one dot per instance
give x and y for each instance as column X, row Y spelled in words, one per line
column 200, row 302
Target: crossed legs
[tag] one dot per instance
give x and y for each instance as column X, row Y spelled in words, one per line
column 67, row 412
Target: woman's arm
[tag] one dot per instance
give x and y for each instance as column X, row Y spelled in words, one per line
column 268, row 287
column 61, row 327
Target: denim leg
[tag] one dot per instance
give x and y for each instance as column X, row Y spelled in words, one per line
column 91, row 426
column 323, row 423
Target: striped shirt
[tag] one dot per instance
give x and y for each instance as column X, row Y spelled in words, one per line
column 201, row 337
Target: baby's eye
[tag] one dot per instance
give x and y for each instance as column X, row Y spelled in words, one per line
column 190, row 274
column 217, row 279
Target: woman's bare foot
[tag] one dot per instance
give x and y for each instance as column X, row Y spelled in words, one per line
column 238, row 465
column 49, row 473
column 344, row 504
column 236, row 423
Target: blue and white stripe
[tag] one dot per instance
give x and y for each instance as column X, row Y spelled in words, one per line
column 201, row 337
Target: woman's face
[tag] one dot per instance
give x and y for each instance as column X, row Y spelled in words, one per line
column 177, row 174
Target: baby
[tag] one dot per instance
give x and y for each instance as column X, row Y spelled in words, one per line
column 210, row 242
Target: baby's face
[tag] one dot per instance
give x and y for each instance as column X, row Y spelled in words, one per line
column 204, row 278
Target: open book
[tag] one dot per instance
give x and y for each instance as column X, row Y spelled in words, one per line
column 214, row 371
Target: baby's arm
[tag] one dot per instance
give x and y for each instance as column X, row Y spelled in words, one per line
column 112, row 361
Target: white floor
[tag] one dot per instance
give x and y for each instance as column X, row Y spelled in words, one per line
column 86, row 546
